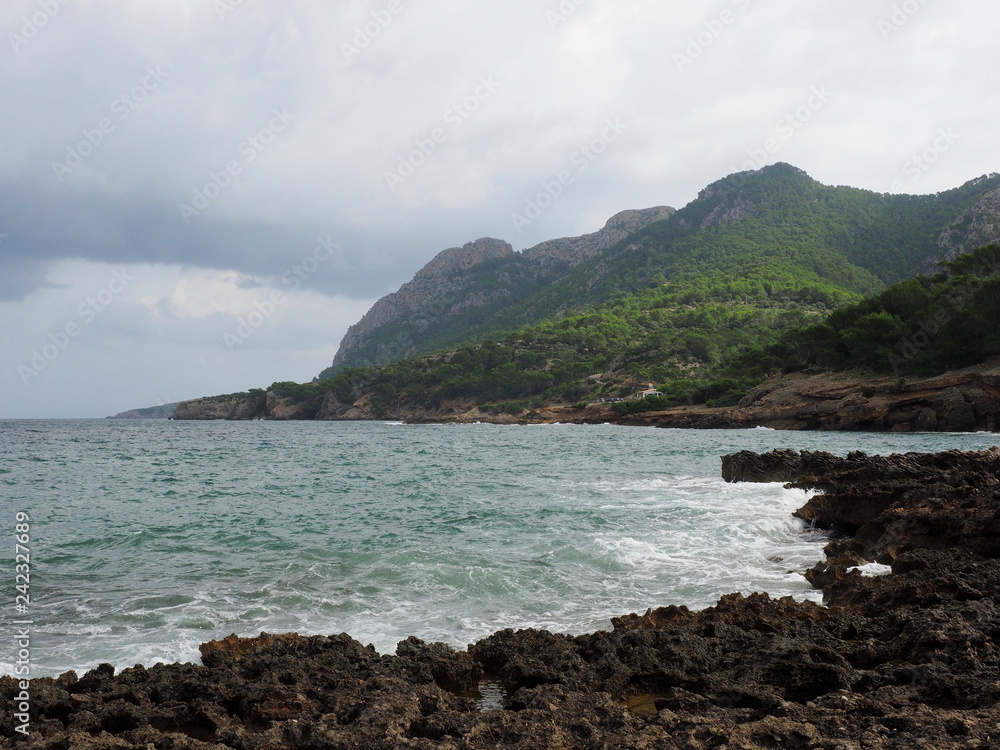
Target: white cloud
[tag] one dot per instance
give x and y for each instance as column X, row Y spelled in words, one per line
column 107, row 338
column 210, row 294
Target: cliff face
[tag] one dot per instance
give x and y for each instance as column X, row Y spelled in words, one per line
column 960, row 401
column 457, row 281
column 220, row 408
column 239, row 407
column 576, row 250
column 448, row 271
column 978, row 225
column 151, row 412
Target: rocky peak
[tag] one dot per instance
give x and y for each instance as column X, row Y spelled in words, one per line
column 741, row 195
column 444, row 281
column 618, row 227
column 432, row 281
column 728, row 211
column 457, row 259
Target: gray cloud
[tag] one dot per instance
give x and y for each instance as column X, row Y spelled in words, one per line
column 287, row 119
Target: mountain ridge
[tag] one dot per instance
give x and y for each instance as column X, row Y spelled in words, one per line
column 763, row 273
column 861, row 240
column 428, row 297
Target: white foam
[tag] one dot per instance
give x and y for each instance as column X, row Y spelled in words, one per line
column 446, row 534
column 872, row 570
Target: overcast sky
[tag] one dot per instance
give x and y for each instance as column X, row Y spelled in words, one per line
column 200, row 196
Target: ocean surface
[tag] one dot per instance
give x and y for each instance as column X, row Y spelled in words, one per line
column 151, row 537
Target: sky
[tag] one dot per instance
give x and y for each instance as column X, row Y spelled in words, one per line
column 200, row 196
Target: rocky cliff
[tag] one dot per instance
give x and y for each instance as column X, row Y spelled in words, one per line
column 576, row 250
column 151, row 412
column 961, row 401
column 222, row 407
column 906, row 659
column 977, row 226
column 438, row 280
column 459, row 280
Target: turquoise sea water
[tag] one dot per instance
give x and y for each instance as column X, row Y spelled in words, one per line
column 151, row 537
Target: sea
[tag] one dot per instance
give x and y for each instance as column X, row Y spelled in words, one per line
column 148, row 538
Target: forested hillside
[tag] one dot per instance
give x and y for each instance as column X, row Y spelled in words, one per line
column 754, row 236
column 924, row 326
column 710, row 353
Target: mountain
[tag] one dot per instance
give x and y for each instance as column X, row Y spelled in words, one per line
column 462, row 291
column 752, row 224
column 704, row 303
column 921, row 356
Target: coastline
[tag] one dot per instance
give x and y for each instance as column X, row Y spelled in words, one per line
column 904, row 660
column 960, row 401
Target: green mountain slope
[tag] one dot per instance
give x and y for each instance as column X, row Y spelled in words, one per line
column 752, row 236
column 462, row 292
column 766, row 272
column 712, row 352
column 923, row 326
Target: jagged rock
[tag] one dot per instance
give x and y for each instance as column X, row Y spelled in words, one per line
column 576, row 250
column 977, row 226
column 926, row 420
column 776, row 466
column 232, row 648
column 960, row 401
column 333, row 408
column 276, row 407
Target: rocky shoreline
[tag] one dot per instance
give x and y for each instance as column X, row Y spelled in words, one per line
column 960, row 401
column 906, row 660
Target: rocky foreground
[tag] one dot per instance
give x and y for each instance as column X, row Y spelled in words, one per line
column 907, row 660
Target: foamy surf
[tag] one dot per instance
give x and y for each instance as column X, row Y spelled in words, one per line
column 154, row 537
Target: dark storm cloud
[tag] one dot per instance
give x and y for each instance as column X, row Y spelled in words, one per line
column 229, row 134
column 210, row 145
